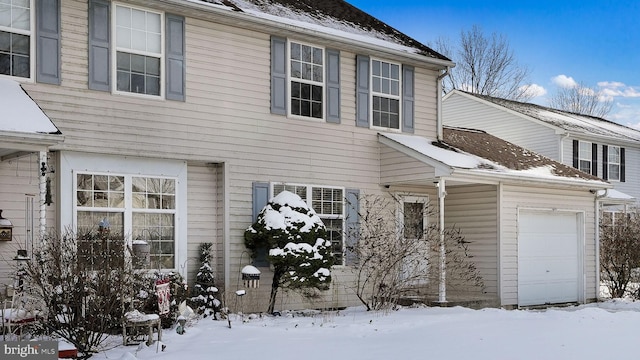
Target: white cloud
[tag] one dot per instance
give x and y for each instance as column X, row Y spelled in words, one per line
column 564, row 81
column 612, row 89
column 534, row 90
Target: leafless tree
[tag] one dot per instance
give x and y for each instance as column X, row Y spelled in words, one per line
column 391, row 263
column 620, row 254
column 581, row 99
column 484, row 65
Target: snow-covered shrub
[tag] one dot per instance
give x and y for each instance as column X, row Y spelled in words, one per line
column 296, row 239
column 204, row 297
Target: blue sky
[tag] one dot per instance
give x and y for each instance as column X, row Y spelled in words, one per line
column 593, row 42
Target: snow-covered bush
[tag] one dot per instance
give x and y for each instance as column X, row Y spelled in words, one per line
column 204, row 297
column 298, row 251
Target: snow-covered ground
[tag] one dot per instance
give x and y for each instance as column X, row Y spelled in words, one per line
column 608, row 330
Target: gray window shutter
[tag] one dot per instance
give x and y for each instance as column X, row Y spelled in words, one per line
column 278, row 75
column 605, row 162
column 622, row 166
column 260, row 200
column 333, row 86
column 175, row 58
column 99, row 56
column 362, row 91
column 408, row 95
column 352, row 227
column 576, row 149
column 594, row 159
column 48, row 41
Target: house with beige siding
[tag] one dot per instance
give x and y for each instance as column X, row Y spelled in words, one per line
column 175, row 122
column 594, row 145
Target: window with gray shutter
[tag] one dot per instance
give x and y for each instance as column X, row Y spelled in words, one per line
column 48, row 41
column 99, row 37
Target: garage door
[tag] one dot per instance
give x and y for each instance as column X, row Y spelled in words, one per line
column 548, row 261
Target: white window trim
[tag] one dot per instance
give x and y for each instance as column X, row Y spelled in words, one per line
column 610, row 163
column 32, row 45
column 290, row 79
column 114, row 53
column 72, row 163
column 373, row 93
column 581, row 155
column 128, row 210
column 309, row 202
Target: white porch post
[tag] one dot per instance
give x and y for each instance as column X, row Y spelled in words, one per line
column 43, row 195
column 442, row 288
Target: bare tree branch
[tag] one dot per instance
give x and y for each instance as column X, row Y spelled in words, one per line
column 484, row 65
column 581, row 99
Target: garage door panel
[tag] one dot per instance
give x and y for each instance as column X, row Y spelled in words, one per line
column 548, row 259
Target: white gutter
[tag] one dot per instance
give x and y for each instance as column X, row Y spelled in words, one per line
column 439, row 122
column 476, row 175
column 235, row 17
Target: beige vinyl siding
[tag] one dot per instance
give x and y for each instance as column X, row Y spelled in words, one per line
column 398, row 168
column 205, row 218
column 461, row 111
column 474, row 210
column 225, row 119
column 517, row 197
column 20, row 179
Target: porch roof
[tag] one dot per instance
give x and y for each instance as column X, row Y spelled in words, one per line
column 467, row 153
column 24, row 127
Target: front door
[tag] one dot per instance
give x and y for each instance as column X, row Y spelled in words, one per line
column 413, row 222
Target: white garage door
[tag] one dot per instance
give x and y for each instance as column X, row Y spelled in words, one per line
column 548, row 262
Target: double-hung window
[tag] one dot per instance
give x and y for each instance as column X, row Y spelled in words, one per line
column 138, row 50
column 613, row 163
column 143, row 208
column 585, row 157
column 306, row 80
column 328, row 203
column 385, row 92
column 16, row 38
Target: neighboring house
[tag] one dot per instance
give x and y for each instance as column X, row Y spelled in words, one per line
column 181, row 118
column 594, row 145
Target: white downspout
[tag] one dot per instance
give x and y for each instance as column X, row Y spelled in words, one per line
column 439, row 122
column 442, row 287
column 43, row 195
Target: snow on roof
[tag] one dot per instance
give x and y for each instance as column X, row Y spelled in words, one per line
column 612, row 194
column 333, row 17
column 572, row 122
column 20, row 113
column 478, row 151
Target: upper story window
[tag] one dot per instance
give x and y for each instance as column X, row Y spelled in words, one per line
column 328, row 203
column 585, row 157
column 138, row 50
column 15, row 38
column 613, row 163
column 385, row 91
column 306, row 74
